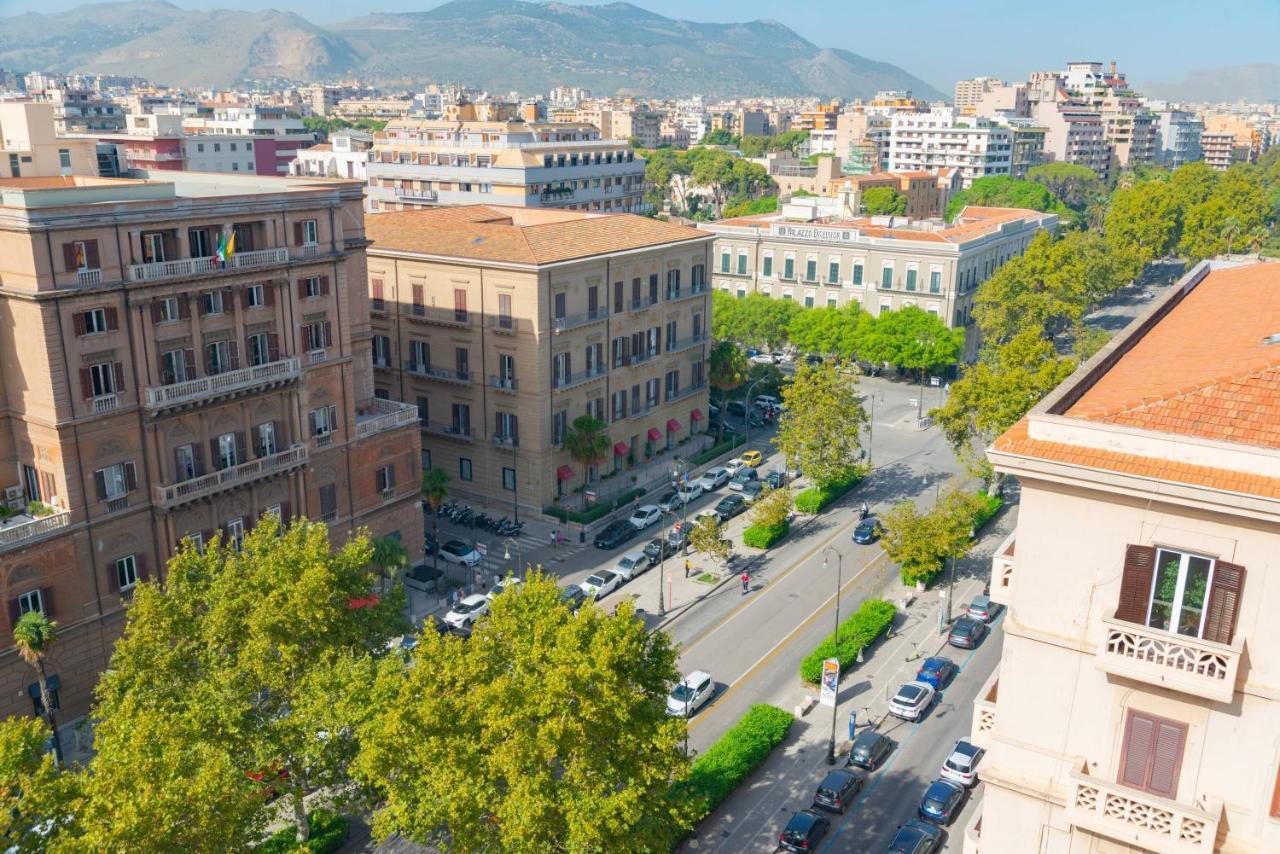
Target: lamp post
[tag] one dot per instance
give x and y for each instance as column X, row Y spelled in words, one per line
column 662, row 564
column 831, row 746
column 746, row 414
column 681, row 468
column 506, row 553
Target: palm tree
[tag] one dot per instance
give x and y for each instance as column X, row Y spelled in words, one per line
column 435, row 488
column 587, row 443
column 727, row 369
column 33, row 635
column 388, row 555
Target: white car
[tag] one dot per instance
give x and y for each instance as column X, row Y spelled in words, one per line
column 631, row 564
column 706, row 513
column 601, row 584
column 508, row 583
column 764, row 359
column 456, row 551
column 734, row 466
column 767, row 401
column 713, row 478
column 690, row 694
column 690, row 491
column 962, row 765
column 465, row 612
column 645, row 515
column 911, row 701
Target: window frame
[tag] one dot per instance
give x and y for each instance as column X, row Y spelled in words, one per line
column 26, row 600
column 129, row 562
column 1176, row 604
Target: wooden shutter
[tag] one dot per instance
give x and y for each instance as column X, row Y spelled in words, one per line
column 130, row 476
column 269, row 293
column 189, row 356
column 391, row 476
column 156, row 317
column 380, row 478
column 229, row 299
column 324, row 286
column 1166, row 758
column 69, row 258
column 297, row 234
column 302, row 288
column 91, row 254
column 273, row 347
column 376, row 285
column 86, row 383
column 328, row 334
column 233, row 348
column 241, row 455
column 177, row 463
column 113, row 576
column 304, row 337
column 117, row 368
column 215, row 458
column 1135, row 759
column 284, row 513
column 459, row 300
column 14, row 613
column 197, row 454
column 184, row 306
column 100, row 485
column 244, row 296
column 202, row 304
column 333, row 419
column 140, row 564
column 113, row 318
column 77, row 321
column 417, row 295
column 1224, row 602
column 46, row 601
column 1135, row 584
column 1151, row 758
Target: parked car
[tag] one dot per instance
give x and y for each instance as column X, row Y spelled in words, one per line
column 803, row 832
column 730, row 506
column 678, row 536
column 912, row 701
column 423, row 577
column 632, row 564
column 763, row 359
column 838, row 789
column 937, row 672
column 941, row 801
column 601, row 584
column 669, row 502
column 573, row 596
column 742, row 478
column 508, row 583
column 767, row 401
column 705, row 513
column 734, row 466
column 868, row 531
column 736, row 407
column 645, row 515
column 690, row 694
column 713, row 478
column 869, row 749
column 689, row 492
column 967, row 633
column 751, row 490
column 658, row 548
column 813, row 359
column 466, row 611
column 752, row 458
column 962, row 765
column 775, row 479
column 615, row 534
column 916, row 837
column 456, row 551
column 982, row 608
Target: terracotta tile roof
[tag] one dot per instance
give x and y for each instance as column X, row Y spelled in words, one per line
column 519, row 235
column 974, row 222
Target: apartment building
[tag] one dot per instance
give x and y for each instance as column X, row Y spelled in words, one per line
column 1135, row 706
column 1130, row 129
column 645, row 126
column 1177, row 137
column 443, row 162
column 1248, row 138
column 877, row 263
column 1028, row 146
column 985, row 96
column 1075, row 135
column 978, row 147
column 501, row 325
column 276, row 137
column 150, row 391
column 1221, row 150
column 969, row 92
column 345, row 155
column 30, row 148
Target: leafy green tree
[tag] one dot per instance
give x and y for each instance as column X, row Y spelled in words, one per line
column 921, row 542
column 753, row 146
column 36, row 796
column 587, row 443
column 1234, row 214
column 765, row 379
column 224, row 677
column 545, row 731
column 435, row 489
column 726, row 367
column 821, row 429
column 755, row 320
column 751, row 207
column 664, row 171
column 773, row 507
column 1142, row 224
column 914, row 339
column 830, row 331
column 1075, row 186
column 791, row 141
column 708, row 538
column 1003, row 191
column 33, row 636
column 884, row 201
column 719, row 136
column 1192, row 183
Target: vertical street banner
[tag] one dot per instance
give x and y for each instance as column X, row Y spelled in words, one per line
column 830, row 682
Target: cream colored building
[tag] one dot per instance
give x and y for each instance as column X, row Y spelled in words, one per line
column 30, row 148
column 1137, row 702
column 503, row 325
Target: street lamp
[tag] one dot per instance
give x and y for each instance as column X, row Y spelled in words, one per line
column 746, row 412
column 506, row 553
column 662, row 564
column 831, row 746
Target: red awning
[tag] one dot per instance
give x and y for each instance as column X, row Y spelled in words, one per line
column 654, row 434
column 673, row 425
column 364, row 602
column 564, row 472
column 695, row 415
column 621, row 449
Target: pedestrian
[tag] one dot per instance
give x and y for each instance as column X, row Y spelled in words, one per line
column 688, row 568
column 555, row 538
column 853, row 722
column 457, row 594
column 746, row 583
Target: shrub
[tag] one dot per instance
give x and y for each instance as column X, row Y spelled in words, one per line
column 815, row 499
column 763, row 536
column 727, row 763
column 718, row 450
column 598, row 512
column 328, row 832
column 856, row 633
column 989, row 507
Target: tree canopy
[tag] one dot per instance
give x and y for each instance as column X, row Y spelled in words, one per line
column 912, row 338
column 755, row 320
column 830, row 331
column 1074, row 185
column 1003, row 191
column 821, row 429
column 884, row 201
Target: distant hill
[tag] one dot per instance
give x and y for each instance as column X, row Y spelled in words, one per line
column 498, row 45
column 1258, row 81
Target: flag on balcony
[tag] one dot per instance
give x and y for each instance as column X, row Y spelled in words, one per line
column 226, row 248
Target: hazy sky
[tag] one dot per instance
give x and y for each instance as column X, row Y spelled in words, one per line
column 942, row 41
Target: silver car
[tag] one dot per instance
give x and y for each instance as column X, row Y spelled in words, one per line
column 631, row 564
column 713, row 478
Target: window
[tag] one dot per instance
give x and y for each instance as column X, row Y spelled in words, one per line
column 935, row 281
column 211, row 302
column 317, row 335
column 235, row 167
column 217, row 146
column 857, row 272
column 886, row 307
column 1151, row 754
column 464, row 468
column 329, row 502
column 200, row 147
column 385, row 481
column 560, row 369
column 381, row 351
column 808, row 299
column 221, row 357
column 64, row 158
column 255, row 296
column 267, row 439
column 504, row 311
column 79, row 255
column 94, row 321
column 618, row 404
column 886, row 276
column 324, row 421
column 509, row 479
column 742, row 263
column 310, row 234
column 311, row 286
column 673, row 284
column 166, row 309
column 673, row 383
column 259, row 349
column 833, row 271
column 153, row 247
column 789, row 267
column 460, row 305
column 698, row 276
column 115, row 481
column 767, row 265
column 235, row 533
column 127, row 572
column 102, row 379
column 811, row 269
column 185, row 463
column 911, row 278
column 461, row 424
column 831, row 300
column 508, row 427
column 1180, row 592
column 559, row 427
column 227, row 452
column 379, row 303
column 30, row 601
column 724, row 261
column 177, row 366
column 653, row 288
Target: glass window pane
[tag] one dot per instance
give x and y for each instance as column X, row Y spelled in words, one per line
column 1165, row 589
column 1194, row 590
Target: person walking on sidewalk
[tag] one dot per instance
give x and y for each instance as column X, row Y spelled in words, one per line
column 746, row 583
column 688, row 568
column 555, row 538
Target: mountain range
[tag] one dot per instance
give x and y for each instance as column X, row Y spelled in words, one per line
column 1256, row 81
column 497, row 45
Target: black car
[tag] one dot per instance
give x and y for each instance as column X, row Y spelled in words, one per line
column 869, row 750
column 573, row 596
column 774, row 479
column 730, row 506
column 967, row 633
column 615, row 534
column 941, row 801
column 916, row 837
column 658, row 548
column 803, row 832
column 837, row 790
column 867, row 532
column 743, row 477
column 736, row 407
column 751, row 490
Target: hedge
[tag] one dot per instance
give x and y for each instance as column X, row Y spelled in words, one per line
column 856, row 633
column 817, row 498
column 328, row 832
column 727, row 763
column 763, row 536
column 990, row 507
column 597, row 512
column 717, row 450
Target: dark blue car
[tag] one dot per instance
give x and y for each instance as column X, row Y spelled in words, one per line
column 937, row 672
column 941, row 801
column 867, row 532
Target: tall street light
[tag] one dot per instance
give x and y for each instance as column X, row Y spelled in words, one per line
column 662, row 564
column 831, row 746
column 746, row 414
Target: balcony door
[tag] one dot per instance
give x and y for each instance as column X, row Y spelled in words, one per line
column 1151, row 757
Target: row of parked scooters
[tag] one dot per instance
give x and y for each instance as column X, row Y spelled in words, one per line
column 462, row 514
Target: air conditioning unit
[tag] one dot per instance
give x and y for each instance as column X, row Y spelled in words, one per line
column 13, row 498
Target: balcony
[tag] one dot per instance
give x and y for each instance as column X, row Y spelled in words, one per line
column 106, row 403
column 454, row 317
column 564, row 324
column 501, row 323
column 460, row 432
column 160, row 270
column 20, row 530
column 686, row 343
column 575, row 380
column 1141, row 819
column 641, row 410
column 418, row 197
column 88, row 278
column 443, row 375
column 232, row 477
column 1002, row 571
column 1178, row 662
column 504, row 384
column 383, row 415
column 191, row 392
column 508, row 442
column 557, row 194
column 687, row 391
column 641, row 303
column 984, row 711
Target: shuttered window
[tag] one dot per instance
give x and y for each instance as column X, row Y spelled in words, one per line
column 1151, row 757
column 1181, row 592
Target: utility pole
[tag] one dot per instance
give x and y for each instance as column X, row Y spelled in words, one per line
column 662, row 565
column 831, row 746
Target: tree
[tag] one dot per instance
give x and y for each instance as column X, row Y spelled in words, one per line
column 884, row 201
column 830, row 331
column 587, row 443
column 33, row 635
column 663, row 174
column 226, row 676
column 545, row 731
column 1234, row 214
column 1192, row 183
column 914, row 339
column 719, row 136
column 755, row 320
column 821, row 429
column 435, row 488
column 1074, row 185
column 1142, row 224
column 708, row 537
column 389, row 556
column 773, row 507
column 765, row 379
column 751, row 207
column 1003, row 191
column 726, row 367
column 36, row 796
column 920, row 542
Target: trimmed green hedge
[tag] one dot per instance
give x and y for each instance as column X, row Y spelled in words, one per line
column 716, row 450
column 598, row 512
column 328, row 832
column 857, row 632
column 815, row 499
column 727, row 763
column 991, row 506
column 763, row 536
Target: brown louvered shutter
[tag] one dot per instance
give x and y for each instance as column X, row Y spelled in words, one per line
column 417, row 295
column 304, row 337
column 77, row 321
column 1135, row 758
column 130, row 476
column 189, row 356
column 117, row 368
column 86, row 383
column 273, row 347
column 324, row 285
column 233, row 348
column 1224, row 602
column 391, row 476
column 113, row 576
column 302, row 288
column 229, row 298
column 140, row 564
column 241, row 455
column 297, row 234
column 215, row 459
column 1166, row 759
column 197, row 454
column 113, row 318
column 100, row 484
column 1135, row 584
column 380, row 479
column 46, row 601
column 14, row 612
column 244, row 296
column 269, row 293
column 156, row 317
column 328, row 334
column 91, row 254
column 284, row 513
column 69, row 264
column 184, row 306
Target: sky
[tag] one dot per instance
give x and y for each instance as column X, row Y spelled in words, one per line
column 941, row 42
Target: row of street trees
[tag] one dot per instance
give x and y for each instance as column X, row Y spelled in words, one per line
column 701, row 182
